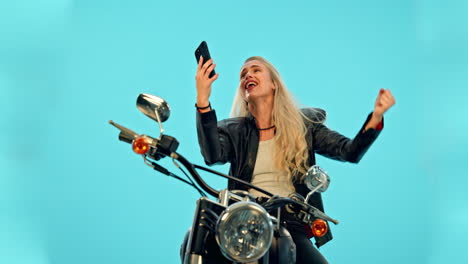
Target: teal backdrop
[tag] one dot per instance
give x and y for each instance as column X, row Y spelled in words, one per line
column 71, row 193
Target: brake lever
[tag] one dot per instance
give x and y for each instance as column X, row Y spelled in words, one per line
column 319, row 214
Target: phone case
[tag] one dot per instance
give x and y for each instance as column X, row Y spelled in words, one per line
column 202, row 50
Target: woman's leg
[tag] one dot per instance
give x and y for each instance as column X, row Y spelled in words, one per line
column 306, row 252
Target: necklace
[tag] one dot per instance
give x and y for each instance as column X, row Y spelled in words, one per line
column 267, row 128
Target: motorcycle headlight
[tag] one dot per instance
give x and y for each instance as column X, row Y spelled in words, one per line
column 244, row 232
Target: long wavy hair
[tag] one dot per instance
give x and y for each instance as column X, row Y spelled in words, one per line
column 291, row 153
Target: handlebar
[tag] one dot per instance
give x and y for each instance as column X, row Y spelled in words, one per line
column 167, row 145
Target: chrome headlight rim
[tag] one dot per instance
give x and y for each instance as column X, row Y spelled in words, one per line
column 236, row 208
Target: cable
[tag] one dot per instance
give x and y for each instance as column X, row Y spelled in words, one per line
column 193, row 184
column 188, row 177
column 164, row 171
column 233, row 178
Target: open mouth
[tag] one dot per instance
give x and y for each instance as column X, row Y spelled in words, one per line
column 250, row 85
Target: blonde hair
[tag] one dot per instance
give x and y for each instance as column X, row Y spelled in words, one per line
column 291, row 153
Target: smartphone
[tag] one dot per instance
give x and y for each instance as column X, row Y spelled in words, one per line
column 202, row 50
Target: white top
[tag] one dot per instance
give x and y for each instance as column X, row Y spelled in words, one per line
column 266, row 175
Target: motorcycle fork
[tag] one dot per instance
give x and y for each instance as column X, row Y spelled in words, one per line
column 203, row 227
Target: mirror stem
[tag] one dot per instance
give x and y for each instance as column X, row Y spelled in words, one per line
column 313, row 191
column 161, row 129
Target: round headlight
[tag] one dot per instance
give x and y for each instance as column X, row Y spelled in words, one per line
column 244, row 232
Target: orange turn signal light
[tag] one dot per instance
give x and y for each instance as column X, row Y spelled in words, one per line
column 140, row 145
column 319, row 228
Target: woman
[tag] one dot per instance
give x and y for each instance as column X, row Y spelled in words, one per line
column 271, row 142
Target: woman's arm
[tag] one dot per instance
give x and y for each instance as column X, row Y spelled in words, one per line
column 214, row 140
column 332, row 144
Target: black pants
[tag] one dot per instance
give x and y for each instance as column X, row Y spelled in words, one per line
column 306, row 252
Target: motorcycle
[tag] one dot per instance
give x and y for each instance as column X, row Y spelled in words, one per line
column 234, row 227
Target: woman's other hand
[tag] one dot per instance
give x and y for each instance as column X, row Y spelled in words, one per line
column 203, row 82
column 384, row 101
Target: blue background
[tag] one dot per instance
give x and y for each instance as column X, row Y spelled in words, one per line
column 70, row 192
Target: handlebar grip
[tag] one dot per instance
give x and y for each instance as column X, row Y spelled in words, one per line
column 126, row 138
column 126, row 135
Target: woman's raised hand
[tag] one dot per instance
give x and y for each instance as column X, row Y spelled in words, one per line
column 384, row 101
column 203, row 81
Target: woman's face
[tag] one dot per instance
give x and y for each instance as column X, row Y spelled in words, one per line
column 256, row 82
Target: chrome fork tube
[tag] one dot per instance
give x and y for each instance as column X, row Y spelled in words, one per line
column 193, row 259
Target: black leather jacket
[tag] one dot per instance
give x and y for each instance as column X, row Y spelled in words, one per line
column 235, row 140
